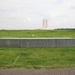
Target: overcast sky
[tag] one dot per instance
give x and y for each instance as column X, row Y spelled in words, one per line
column 29, row 14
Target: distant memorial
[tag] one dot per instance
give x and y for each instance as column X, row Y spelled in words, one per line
column 45, row 24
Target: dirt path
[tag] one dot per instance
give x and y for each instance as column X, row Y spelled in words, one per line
column 67, row 71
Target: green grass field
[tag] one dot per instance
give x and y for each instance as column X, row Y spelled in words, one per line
column 37, row 33
column 37, row 58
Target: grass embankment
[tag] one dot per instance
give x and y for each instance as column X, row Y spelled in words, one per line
column 37, row 33
column 38, row 58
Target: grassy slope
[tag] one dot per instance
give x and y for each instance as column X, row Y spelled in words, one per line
column 37, row 57
column 37, row 33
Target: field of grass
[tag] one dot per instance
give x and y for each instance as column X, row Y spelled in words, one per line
column 37, row 33
column 37, row 58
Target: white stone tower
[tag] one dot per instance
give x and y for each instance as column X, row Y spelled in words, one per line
column 45, row 24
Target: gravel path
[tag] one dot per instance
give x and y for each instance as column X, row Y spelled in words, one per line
column 67, row 71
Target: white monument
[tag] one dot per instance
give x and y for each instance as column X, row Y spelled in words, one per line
column 45, row 24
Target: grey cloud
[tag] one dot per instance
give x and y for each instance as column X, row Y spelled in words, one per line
column 72, row 7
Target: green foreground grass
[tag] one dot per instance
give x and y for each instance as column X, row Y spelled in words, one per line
column 37, row 33
column 37, row 58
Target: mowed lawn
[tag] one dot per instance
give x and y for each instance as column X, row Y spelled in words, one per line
column 37, row 33
column 37, row 58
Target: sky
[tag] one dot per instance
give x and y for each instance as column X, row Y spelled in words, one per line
column 29, row 14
